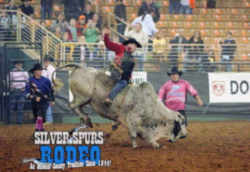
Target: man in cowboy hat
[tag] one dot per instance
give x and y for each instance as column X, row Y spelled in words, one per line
column 124, row 62
column 40, row 92
column 173, row 92
column 18, row 79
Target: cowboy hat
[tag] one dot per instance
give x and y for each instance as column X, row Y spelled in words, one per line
column 37, row 66
column 132, row 41
column 174, row 70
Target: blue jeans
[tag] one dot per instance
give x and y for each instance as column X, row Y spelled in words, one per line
column 174, row 6
column 17, row 100
column 49, row 117
column 45, row 11
column 229, row 66
column 119, row 86
column 185, row 9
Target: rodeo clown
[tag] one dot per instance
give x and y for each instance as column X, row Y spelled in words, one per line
column 40, row 92
column 123, row 65
column 173, row 93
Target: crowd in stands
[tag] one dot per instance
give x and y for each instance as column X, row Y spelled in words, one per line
column 80, row 23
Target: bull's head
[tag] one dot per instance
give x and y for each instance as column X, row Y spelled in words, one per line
column 179, row 129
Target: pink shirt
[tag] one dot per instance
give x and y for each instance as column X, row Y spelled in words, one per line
column 174, row 94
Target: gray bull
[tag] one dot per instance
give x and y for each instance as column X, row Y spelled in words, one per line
column 145, row 115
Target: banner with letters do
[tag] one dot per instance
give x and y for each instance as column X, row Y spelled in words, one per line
column 229, row 87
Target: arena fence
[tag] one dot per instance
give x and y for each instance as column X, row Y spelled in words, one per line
column 203, row 59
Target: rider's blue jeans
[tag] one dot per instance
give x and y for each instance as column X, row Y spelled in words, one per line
column 119, row 86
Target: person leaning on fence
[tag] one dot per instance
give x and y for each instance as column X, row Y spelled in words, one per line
column 123, row 63
column 40, row 92
column 18, row 79
column 174, row 92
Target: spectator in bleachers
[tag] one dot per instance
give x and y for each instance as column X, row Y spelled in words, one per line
column 59, row 22
column 159, row 46
column 18, row 79
column 147, row 22
column 176, row 48
column 186, row 6
column 174, row 6
column 97, row 20
column 58, row 32
column 91, row 34
column 81, row 24
column 195, row 52
column 120, row 11
column 26, row 7
column 148, row 6
column 46, row 9
column 82, row 50
column 72, row 30
column 228, row 51
column 4, row 26
column 211, row 3
column 209, row 60
column 88, row 12
column 140, row 36
column 11, row 6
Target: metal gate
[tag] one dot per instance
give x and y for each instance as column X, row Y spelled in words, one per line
column 10, row 53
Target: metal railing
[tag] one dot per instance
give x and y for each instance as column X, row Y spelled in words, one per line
column 161, row 59
column 22, row 28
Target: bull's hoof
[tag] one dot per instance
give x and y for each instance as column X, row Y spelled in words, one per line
column 183, row 137
column 156, row 146
column 134, row 146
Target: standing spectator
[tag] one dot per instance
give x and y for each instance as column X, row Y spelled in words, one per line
column 186, row 7
column 120, row 11
column 91, row 34
column 82, row 50
column 26, row 7
column 72, row 30
column 176, row 48
column 159, row 46
column 195, row 51
column 97, row 20
column 208, row 60
column 13, row 17
column 174, row 6
column 81, row 24
column 4, row 25
column 40, row 92
column 140, row 36
column 147, row 7
column 174, row 93
column 147, row 22
column 46, row 9
column 18, row 79
column 48, row 73
column 211, row 3
column 59, row 22
column 228, row 47
column 88, row 12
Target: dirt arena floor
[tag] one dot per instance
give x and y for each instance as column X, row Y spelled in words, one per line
column 209, row 147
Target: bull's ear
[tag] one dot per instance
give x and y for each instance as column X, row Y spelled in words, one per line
column 177, row 128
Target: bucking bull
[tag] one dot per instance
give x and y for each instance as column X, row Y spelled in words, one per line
column 145, row 115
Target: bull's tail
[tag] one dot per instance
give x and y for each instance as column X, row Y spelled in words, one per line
column 58, row 84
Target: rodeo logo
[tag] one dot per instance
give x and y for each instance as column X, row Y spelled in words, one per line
column 81, row 149
column 218, row 88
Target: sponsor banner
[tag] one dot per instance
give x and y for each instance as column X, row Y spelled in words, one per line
column 229, row 87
